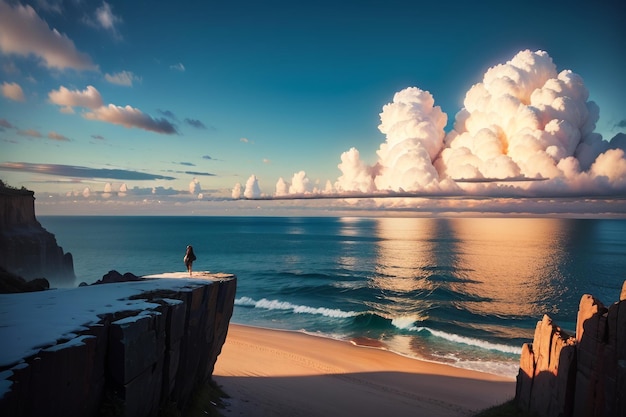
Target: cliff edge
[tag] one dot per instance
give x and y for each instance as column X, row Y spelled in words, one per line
column 26, row 248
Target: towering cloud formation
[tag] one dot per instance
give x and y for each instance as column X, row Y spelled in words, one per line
column 525, row 121
column 522, row 120
column 414, row 128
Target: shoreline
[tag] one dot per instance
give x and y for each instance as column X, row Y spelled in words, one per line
column 269, row 372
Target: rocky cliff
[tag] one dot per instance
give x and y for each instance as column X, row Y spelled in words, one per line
column 26, row 248
column 581, row 375
column 152, row 343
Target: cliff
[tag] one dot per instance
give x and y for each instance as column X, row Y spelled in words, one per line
column 26, row 248
column 125, row 349
column 581, row 375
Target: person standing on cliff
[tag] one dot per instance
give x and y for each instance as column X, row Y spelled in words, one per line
column 189, row 258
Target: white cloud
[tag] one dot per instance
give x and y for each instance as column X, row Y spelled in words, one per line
column 57, row 136
column 68, row 99
column 525, row 130
column 236, row 193
column 252, row 188
column 23, row 32
column 178, row 67
column 194, row 187
column 13, row 91
column 124, row 78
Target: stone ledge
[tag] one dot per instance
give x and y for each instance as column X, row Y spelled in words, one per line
column 138, row 344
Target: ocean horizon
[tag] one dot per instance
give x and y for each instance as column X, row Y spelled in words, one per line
column 462, row 291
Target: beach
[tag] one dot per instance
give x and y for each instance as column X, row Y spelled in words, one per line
column 278, row 373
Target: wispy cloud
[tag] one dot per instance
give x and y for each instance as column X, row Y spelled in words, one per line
column 178, row 67
column 4, row 123
column 13, row 91
column 24, row 33
column 57, row 136
column 123, row 78
column 189, row 164
column 30, row 132
column 74, row 171
column 168, row 114
column 128, row 117
column 195, row 123
column 99, row 137
column 104, row 18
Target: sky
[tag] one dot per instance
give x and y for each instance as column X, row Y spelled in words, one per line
column 126, row 106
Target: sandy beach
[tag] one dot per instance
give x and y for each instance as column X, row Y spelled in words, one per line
column 279, row 373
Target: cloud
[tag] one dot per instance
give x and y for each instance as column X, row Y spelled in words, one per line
column 13, row 91
column 189, row 164
column 30, row 132
column 267, row 161
column 252, row 189
column 206, row 157
column 106, row 18
column 205, row 174
column 68, row 99
column 5, row 124
column 194, row 187
column 178, row 67
column 130, row 117
column 59, row 137
column 99, row 137
column 246, row 140
column 525, row 130
column 74, row 171
column 168, row 114
column 24, row 33
column 195, row 123
column 621, row 124
column 126, row 116
column 123, row 78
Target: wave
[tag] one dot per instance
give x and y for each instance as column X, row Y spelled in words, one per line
column 483, row 344
column 300, row 309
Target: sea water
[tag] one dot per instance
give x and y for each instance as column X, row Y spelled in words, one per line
column 462, row 291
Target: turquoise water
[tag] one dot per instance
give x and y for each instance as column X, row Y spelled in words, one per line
column 468, row 292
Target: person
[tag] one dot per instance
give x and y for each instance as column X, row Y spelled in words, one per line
column 189, row 258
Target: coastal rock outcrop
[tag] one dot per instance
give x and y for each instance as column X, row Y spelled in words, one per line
column 26, row 248
column 577, row 376
column 130, row 362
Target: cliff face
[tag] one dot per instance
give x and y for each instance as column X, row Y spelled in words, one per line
column 26, row 248
column 133, row 361
column 577, row 376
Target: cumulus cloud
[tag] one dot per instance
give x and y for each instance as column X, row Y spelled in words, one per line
column 252, row 189
column 525, row 129
column 24, row 33
column 68, row 99
column 194, row 187
column 237, row 192
column 13, row 91
column 123, row 78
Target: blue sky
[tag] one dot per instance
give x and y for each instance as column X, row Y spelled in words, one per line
column 222, row 91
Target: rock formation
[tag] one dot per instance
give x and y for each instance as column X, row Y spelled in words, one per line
column 129, row 363
column 26, row 248
column 577, row 376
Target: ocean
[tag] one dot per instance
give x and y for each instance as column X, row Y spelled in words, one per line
column 463, row 291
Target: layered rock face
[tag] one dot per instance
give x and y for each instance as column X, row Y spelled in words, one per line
column 130, row 363
column 26, row 248
column 577, row 376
